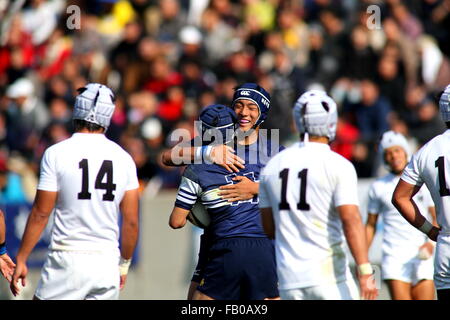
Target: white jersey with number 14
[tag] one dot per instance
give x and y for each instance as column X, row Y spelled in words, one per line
column 91, row 175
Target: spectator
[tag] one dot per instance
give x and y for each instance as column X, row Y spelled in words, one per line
column 361, row 60
column 26, row 117
column 334, row 47
column 391, row 83
column 162, row 77
column 407, row 50
column 295, row 36
column 371, row 114
column 288, row 81
column 409, row 24
column 40, row 19
column 435, row 66
column 167, row 21
column 217, row 33
column 429, row 123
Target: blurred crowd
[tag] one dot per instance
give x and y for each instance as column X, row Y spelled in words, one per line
column 166, row 59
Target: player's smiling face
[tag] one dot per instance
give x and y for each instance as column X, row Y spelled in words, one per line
column 396, row 158
column 247, row 113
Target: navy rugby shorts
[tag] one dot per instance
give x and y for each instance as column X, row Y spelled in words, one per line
column 240, row 269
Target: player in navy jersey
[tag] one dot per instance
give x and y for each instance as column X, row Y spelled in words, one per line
column 231, row 200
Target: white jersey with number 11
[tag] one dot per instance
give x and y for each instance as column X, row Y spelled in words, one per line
column 303, row 185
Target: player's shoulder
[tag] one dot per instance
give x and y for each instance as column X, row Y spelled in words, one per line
column 281, row 154
column 117, row 147
column 434, row 145
column 192, row 172
column 61, row 146
column 337, row 160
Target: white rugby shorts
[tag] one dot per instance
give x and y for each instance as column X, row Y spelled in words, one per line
column 345, row 290
column 410, row 270
column 442, row 263
column 79, row 275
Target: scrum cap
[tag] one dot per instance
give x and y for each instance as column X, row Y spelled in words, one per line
column 95, row 104
column 257, row 94
column 392, row 138
column 217, row 117
column 316, row 113
column 444, row 104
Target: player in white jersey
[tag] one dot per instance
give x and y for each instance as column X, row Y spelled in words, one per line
column 407, row 263
column 309, row 205
column 6, row 264
column 87, row 181
column 430, row 166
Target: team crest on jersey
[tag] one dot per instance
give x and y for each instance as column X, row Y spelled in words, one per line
column 249, row 175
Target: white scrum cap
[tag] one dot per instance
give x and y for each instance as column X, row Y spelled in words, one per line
column 391, row 139
column 316, row 113
column 95, row 104
column 444, row 104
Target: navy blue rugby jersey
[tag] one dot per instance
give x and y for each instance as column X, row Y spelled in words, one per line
column 202, row 181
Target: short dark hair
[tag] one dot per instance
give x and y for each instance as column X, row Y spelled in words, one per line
column 82, row 124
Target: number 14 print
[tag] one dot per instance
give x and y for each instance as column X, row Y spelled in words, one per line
column 105, row 170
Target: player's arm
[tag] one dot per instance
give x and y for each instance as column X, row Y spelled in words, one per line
column 188, row 194
column 2, row 228
column 129, row 208
column 267, row 222
column 371, row 227
column 130, row 222
column 182, row 154
column 40, row 212
column 432, row 211
column 356, row 239
column 243, row 189
column 6, row 264
column 265, row 205
column 178, row 217
column 426, row 249
column 178, row 155
column 402, row 199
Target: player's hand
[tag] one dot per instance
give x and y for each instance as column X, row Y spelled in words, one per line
column 426, row 250
column 367, row 287
column 123, row 279
column 225, row 157
column 433, row 234
column 244, row 189
column 7, row 266
column 20, row 274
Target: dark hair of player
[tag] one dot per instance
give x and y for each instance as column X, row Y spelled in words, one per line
column 82, row 124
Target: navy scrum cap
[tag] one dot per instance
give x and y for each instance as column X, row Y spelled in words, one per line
column 256, row 93
column 218, row 117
